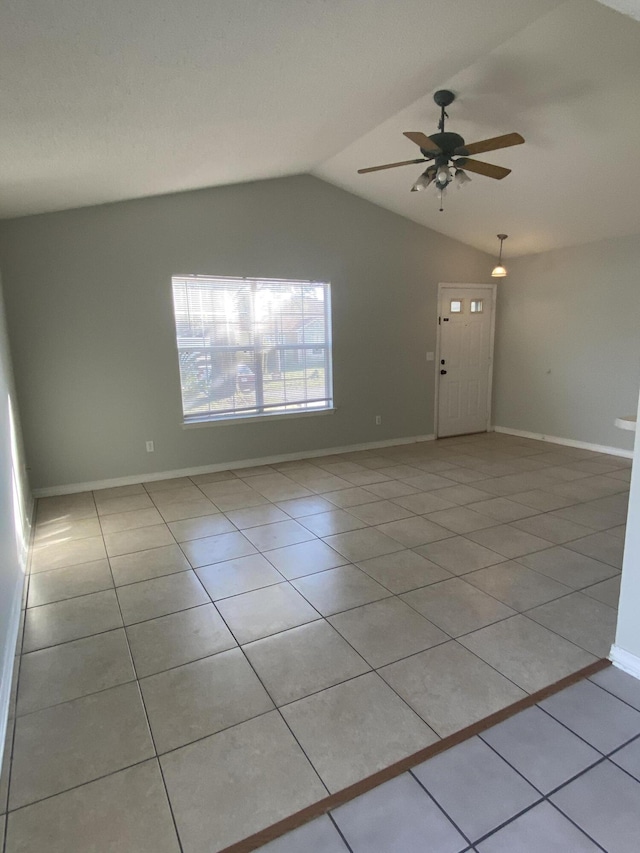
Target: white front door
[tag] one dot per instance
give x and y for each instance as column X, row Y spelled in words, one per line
column 466, row 318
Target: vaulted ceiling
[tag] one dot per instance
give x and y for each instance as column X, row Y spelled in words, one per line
column 102, row 101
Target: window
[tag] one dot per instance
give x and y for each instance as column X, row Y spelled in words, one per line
column 252, row 347
column 456, row 307
column 476, row 306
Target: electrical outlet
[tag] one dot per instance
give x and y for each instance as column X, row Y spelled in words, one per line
column 150, row 447
column 378, row 420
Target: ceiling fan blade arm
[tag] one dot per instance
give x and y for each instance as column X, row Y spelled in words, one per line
column 392, row 165
column 421, row 140
column 493, row 144
column 489, row 170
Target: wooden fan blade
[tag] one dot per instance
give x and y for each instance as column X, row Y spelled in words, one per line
column 505, row 141
column 391, row 165
column 488, row 169
column 422, row 140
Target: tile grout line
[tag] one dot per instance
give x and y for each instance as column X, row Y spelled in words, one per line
column 512, row 819
column 275, row 706
column 531, row 620
column 339, row 831
column 439, row 807
column 615, row 695
column 371, row 670
column 618, row 766
column 82, row 784
column 550, row 793
column 577, row 734
column 455, row 640
column 75, row 698
column 557, row 633
column 571, row 591
column 627, row 742
column 144, row 709
column 572, row 821
column 528, row 610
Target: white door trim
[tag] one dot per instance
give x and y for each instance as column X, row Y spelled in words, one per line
column 442, row 288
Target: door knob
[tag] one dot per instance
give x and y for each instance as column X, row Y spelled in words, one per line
column 442, row 372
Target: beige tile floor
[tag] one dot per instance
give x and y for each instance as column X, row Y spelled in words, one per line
column 201, row 657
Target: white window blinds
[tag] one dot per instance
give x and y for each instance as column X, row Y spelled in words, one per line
column 251, row 347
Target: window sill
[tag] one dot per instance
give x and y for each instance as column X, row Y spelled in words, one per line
column 243, row 419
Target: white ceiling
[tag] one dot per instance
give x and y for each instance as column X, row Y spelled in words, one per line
column 101, row 101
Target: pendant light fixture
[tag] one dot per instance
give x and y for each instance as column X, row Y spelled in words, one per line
column 500, row 271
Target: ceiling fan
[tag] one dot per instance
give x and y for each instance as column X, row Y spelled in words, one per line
column 450, row 154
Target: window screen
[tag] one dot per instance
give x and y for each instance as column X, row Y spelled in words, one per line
column 252, row 346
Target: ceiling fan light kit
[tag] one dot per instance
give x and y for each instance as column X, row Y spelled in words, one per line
column 450, row 154
column 424, row 180
column 499, row 271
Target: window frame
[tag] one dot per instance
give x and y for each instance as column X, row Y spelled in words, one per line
column 279, row 411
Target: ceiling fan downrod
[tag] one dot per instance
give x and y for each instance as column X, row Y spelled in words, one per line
column 443, row 97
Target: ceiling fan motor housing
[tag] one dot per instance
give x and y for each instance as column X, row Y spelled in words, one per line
column 447, row 142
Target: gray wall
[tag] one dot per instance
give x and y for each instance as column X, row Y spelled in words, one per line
column 90, row 316
column 568, row 342
column 15, row 513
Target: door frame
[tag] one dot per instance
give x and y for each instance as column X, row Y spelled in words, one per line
column 490, row 289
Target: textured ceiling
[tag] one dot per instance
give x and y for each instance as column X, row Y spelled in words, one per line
column 101, row 101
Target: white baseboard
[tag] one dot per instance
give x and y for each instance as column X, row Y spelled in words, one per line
column 567, row 442
column 73, row 488
column 625, row 661
column 8, row 661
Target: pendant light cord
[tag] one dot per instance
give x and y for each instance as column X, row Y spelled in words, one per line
column 502, row 238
